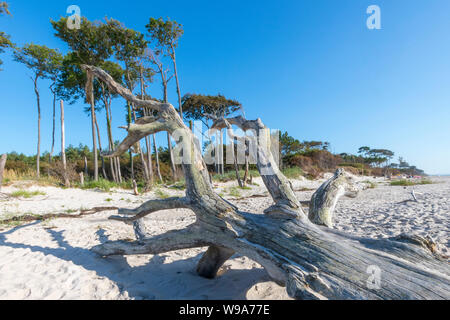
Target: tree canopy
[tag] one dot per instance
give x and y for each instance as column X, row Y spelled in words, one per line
column 5, row 41
column 44, row 62
column 201, row 107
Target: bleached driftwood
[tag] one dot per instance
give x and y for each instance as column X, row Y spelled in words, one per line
column 311, row 261
column 324, row 200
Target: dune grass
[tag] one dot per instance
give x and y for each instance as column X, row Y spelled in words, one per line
column 161, row 194
column 405, row 182
column 10, row 176
column 234, row 192
column 231, row 175
column 372, row 185
column 27, row 194
column 293, row 172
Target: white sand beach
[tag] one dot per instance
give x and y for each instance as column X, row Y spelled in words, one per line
column 52, row 260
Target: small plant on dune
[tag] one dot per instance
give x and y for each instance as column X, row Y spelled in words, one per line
column 161, row 194
column 372, row 185
column 27, row 194
column 179, row 185
column 108, row 199
column 234, row 192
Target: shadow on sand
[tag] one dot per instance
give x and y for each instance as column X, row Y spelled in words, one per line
column 153, row 280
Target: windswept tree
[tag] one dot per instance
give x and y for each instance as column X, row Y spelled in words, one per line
column 207, row 108
column 116, row 71
column 4, row 8
column 90, row 44
column 159, row 39
column 5, row 41
column 54, row 66
column 41, row 60
column 129, row 48
column 166, row 34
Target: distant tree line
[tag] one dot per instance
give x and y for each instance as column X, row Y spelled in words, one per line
column 314, row 158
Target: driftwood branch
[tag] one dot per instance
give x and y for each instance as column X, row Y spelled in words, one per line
column 311, row 261
column 191, row 237
column 149, row 207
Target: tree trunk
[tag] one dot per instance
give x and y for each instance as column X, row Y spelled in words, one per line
column 149, row 161
column 38, row 155
column 174, row 60
column 217, row 154
column 169, row 143
column 311, row 261
column 89, row 90
column 147, row 140
column 53, row 126
column 63, row 148
column 2, row 167
column 141, row 156
column 172, row 163
column 135, row 188
column 247, row 154
column 221, row 162
column 236, row 167
column 94, row 141
column 246, row 170
column 86, row 172
column 105, row 176
column 112, row 162
column 157, row 160
column 131, row 165
column 119, row 171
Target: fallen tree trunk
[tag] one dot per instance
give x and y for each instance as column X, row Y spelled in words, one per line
column 312, row 261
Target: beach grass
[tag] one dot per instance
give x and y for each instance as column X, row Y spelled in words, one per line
column 293, row 172
column 161, row 194
column 27, row 194
column 406, row 183
column 231, row 175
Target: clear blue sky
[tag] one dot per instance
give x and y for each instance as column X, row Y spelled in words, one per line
column 311, row 68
